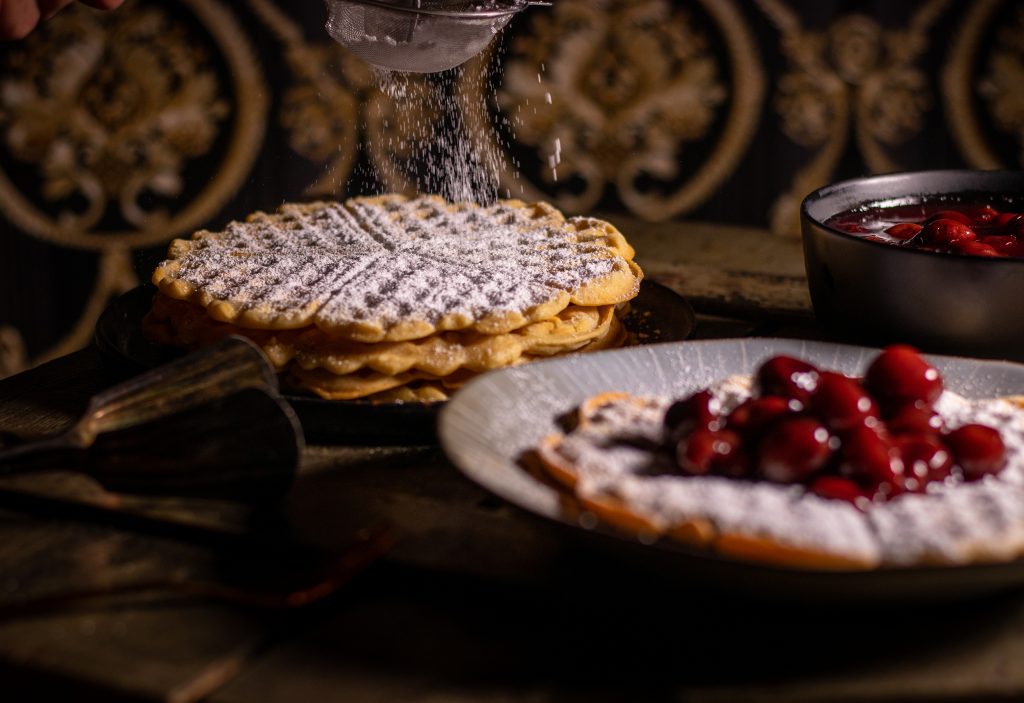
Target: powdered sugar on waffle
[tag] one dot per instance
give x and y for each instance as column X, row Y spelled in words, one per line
column 981, row 521
column 394, row 260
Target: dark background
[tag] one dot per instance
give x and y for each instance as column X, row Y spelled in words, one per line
column 111, row 125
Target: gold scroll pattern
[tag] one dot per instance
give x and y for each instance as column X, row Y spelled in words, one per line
column 321, row 109
column 999, row 86
column 854, row 76
column 109, row 109
column 613, row 91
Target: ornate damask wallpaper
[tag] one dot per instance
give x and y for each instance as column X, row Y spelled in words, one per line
column 122, row 130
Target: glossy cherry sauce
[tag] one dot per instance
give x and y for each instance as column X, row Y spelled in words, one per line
column 972, row 227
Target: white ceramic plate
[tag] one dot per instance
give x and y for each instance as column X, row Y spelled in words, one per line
column 491, row 422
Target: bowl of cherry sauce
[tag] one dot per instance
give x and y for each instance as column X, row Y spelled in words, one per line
column 930, row 258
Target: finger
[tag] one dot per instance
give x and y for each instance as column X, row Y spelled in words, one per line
column 18, row 18
column 48, row 8
column 103, row 4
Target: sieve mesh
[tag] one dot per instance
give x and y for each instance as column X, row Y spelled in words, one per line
column 421, row 36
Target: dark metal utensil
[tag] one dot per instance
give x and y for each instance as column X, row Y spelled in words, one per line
column 211, row 423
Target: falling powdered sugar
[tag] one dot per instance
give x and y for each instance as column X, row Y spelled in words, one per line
column 438, row 151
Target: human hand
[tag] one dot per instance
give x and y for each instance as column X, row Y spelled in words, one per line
column 19, row 17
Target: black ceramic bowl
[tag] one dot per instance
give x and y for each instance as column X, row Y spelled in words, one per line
column 882, row 293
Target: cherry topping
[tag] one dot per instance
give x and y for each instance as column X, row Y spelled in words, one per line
column 788, row 377
column 1002, row 219
column 903, row 230
column 691, row 413
column 1003, row 243
column 868, row 456
column 953, row 215
column 924, row 226
column 794, row 449
column 899, row 375
column 735, row 463
column 704, row 450
column 914, row 418
column 978, row 449
column 1014, row 226
column 975, row 248
column 842, row 402
column 841, row 438
column 946, row 232
column 925, row 459
column 853, row 228
column 754, row 415
column 838, row 488
column 982, row 213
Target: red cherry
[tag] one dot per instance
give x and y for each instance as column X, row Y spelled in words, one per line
column 914, row 418
column 1014, row 226
column 1017, row 251
column 691, row 413
column 903, row 230
column 704, row 449
column 1003, row 243
column 953, row 215
column 838, row 488
column 982, row 213
column 794, row 449
column 868, row 456
column 842, row 402
column 1002, row 219
column 695, row 451
column 945, row 232
column 899, row 376
column 972, row 248
column 978, row 449
column 788, row 377
column 754, row 415
column 925, row 459
column 734, row 462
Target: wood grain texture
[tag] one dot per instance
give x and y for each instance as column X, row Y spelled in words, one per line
column 724, row 270
column 152, row 647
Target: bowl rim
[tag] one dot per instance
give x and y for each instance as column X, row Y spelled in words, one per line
column 833, row 188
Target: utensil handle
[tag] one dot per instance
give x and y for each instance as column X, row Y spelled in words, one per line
column 42, row 455
column 229, row 366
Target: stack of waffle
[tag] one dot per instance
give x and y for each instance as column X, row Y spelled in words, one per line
column 398, row 299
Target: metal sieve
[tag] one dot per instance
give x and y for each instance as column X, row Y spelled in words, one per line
column 421, row 36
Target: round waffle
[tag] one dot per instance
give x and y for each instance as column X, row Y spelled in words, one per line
column 181, row 324
column 607, row 463
column 415, row 392
column 367, row 382
column 391, row 268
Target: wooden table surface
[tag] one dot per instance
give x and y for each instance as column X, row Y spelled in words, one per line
column 476, row 601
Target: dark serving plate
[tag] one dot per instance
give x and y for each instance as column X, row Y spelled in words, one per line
column 486, row 429
column 864, row 290
column 658, row 314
